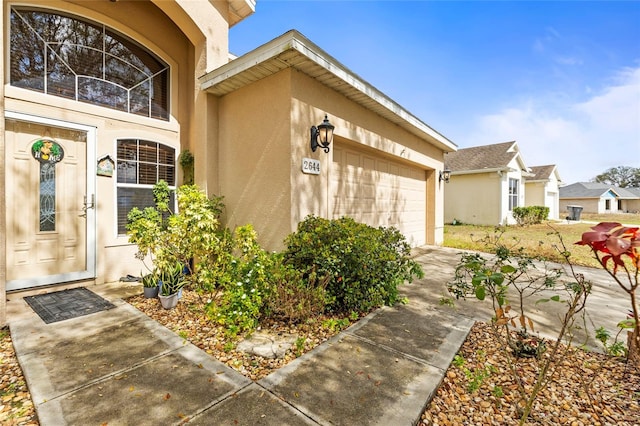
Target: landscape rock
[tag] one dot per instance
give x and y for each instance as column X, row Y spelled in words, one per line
column 270, row 346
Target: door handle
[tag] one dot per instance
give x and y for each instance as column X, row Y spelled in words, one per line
column 88, row 204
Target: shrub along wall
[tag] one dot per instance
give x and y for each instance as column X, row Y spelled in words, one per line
column 530, row 215
column 363, row 266
column 338, row 266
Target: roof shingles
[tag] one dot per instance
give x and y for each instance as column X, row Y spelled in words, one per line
column 541, row 172
column 496, row 156
column 595, row 190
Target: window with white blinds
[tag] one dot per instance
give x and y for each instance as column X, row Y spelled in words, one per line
column 140, row 165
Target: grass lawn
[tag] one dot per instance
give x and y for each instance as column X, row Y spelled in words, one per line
column 543, row 239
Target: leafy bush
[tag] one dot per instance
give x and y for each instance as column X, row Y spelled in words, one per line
column 171, row 238
column 243, row 283
column 531, row 215
column 295, row 297
column 363, row 265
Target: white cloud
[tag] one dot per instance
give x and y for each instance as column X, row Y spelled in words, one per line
column 582, row 138
column 618, row 107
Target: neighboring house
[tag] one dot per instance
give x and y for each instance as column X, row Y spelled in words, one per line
column 486, row 183
column 542, row 189
column 600, row 198
column 99, row 98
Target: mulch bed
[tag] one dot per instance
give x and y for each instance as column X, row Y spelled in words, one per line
column 589, row 389
column 16, row 407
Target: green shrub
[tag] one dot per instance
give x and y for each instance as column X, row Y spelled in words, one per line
column 295, row 297
column 243, row 283
column 531, row 215
column 363, row 266
column 169, row 238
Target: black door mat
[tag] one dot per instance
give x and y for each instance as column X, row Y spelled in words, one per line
column 67, row 304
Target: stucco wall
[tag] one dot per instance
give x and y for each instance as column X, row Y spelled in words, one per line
column 631, row 206
column 474, row 199
column 255, row 161
column 544, row 194
column 593, row 205
column 150, row 26
column 361, row 129
column 535, row 194
column 588, row 206
column 264, row 136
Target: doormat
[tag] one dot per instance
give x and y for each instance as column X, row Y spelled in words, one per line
column 67, row 304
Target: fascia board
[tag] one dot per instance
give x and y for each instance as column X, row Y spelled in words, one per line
column 293, row 40
column 479, row 171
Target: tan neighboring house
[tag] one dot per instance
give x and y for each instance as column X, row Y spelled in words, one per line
column 600, row 198
column 99, row 98
column 542, row 189
column 486, row 183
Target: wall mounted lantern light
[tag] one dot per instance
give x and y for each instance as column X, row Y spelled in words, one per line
column 321, row 136
column 445, row 175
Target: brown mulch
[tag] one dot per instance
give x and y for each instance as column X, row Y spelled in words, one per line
column 191, row 323
column 16, row 407
column 589, row 389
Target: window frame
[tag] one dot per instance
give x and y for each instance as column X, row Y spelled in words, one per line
column 514, row 193
column 140, row 69
column 171, row 153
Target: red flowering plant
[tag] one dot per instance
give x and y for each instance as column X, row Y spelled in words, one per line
column 617, row 248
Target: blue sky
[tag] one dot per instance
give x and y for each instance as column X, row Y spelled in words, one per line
column 562, row 79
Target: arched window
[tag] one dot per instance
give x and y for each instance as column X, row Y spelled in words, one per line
column 71, row 57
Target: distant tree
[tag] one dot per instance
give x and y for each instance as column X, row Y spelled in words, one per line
column 622, row 176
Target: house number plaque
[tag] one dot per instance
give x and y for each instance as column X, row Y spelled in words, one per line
column 310, row 166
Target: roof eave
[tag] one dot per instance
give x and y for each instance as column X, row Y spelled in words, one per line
column 476, row 171
column 294, row 50
column 536, row 180
column 240, row 9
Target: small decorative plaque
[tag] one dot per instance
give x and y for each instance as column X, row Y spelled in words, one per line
column 310, row 166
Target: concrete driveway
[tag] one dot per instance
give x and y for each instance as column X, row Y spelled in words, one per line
column 607, row 305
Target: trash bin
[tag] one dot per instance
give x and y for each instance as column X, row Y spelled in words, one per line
column 574, row 212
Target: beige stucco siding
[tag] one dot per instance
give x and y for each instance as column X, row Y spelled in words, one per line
column 264, row 137
column 362, row 130
column 598, row 205
column 535, row 194
column 544, row 193
column 474, row 199
column 588, row 205
column 191, row 45
column 255, row 159
column 632, row 206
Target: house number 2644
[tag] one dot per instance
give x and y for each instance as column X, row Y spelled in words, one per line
column 310, row 166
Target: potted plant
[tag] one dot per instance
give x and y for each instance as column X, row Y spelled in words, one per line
column 150, row 285
column 172, row 282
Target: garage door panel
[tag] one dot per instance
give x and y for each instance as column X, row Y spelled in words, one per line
column 379, row 192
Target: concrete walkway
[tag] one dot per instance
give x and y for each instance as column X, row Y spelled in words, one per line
column 118, row 367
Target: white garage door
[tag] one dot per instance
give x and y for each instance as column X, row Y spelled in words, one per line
column 379, row 192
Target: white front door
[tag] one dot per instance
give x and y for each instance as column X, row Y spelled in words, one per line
column 50, row 201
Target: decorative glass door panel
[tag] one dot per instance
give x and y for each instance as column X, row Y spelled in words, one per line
column 46, row 190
